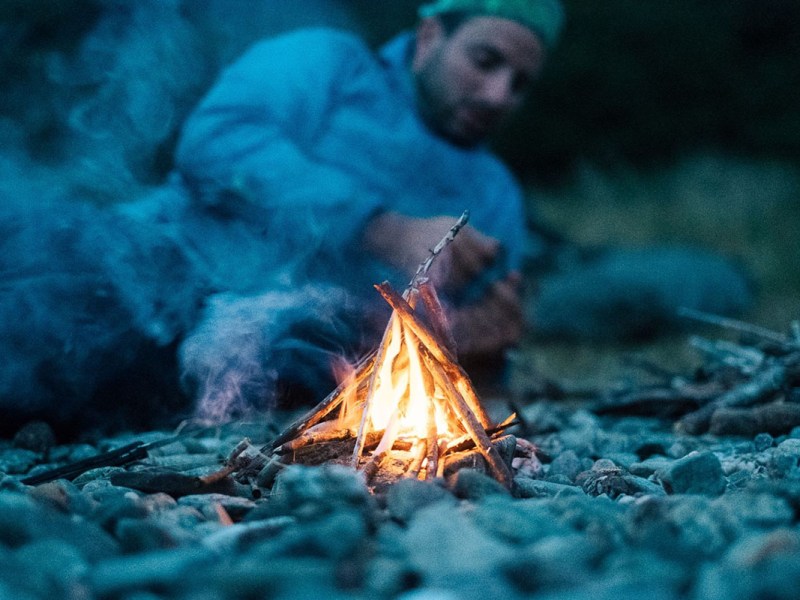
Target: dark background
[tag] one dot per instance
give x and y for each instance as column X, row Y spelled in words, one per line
column 645, row 81
column 635, row 81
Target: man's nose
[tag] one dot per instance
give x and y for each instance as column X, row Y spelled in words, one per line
column 499, row 90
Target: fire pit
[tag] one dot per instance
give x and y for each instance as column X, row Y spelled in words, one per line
column 408, row 409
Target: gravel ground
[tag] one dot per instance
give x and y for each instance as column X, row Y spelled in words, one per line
column 614, row 507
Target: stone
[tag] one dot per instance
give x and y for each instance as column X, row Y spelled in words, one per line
column 536, row 488
column 36, row 436
column 407, row 496
column 17, row 461
column 763, row 441
column 306, row 492
column 237, row 508
column 514, row 521
column 449, row 551
column 163, row 568
column 63, row 495
column 470, row 484
column 567, row 464
column 23, row 520
column 695, row 473
column 786, row 459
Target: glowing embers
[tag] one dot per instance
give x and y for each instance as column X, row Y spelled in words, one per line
column 408, row 407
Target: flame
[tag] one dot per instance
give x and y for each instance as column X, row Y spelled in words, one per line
column 403, row 391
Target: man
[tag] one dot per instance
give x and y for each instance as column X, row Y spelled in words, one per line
column 354, row 165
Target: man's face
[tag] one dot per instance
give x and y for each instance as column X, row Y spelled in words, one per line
column 470, row 80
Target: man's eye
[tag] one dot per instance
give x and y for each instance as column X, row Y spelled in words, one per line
column 485, row 61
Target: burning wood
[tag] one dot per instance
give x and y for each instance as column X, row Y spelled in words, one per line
column 406, row 407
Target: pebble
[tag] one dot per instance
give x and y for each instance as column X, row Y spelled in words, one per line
column 622, row 508
column 695, row 473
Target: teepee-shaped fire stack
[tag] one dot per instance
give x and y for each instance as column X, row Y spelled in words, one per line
column 407, row 405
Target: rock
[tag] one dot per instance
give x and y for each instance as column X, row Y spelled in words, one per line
column 63, row 495
column 695, row 473
column 536, row 488
column 650, row 466
column 567, row 464
column 16, row 461
column 311, row 492
column 786, row 459
column 450, row 552
column 517, row 522
column 36, row 436
column 407, row 496
column 23, row 520
column 173, row 568
column 557, row 561
column 763, row 441
column 236, row 507
column 63, row 572
column 470, row 484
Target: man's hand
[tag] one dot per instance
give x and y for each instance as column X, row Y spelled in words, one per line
column 404, row 242
column 495, row 323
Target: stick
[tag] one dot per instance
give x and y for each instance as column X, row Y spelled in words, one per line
column 741, row 326
column 763, row 385
column 324, row 408
column 442, row 355
column 419, row 451
column 470, row 421
column 380, row 356
column 422, row 270
column 432, row 441
column 329, row 431
column 437, row 316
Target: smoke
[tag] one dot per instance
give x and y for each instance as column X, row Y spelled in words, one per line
column 246, row 348
column 103, row 259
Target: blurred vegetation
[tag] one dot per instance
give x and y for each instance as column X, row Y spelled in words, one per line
column 643, row 82
column 743, row 208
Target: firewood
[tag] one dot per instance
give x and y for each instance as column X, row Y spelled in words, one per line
column 762, row 386
column 380, row 355
column 419, row 451
column 437, row 317
column 470, row 421
column 324, row 408
column 327, row 431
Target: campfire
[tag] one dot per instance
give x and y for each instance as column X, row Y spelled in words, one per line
column 408, row 409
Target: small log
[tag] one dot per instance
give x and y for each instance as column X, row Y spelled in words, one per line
column 380, row 355
column 440, row 467
column 419, row 451
column 775, row 418
column 432, row 441
column 327, row 431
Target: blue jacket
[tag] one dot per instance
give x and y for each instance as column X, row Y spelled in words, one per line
column 311, row 134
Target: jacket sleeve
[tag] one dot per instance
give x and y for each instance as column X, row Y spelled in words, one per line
column 252, row 139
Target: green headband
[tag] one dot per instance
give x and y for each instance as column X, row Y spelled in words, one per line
column 544, row 17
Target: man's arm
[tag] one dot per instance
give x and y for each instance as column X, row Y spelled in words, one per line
column 253, row 135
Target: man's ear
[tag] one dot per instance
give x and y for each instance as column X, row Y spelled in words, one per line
column 429, row 34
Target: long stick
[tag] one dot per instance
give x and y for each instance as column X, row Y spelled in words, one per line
column 469, row 420
column 436, row 316
column 422, row 270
